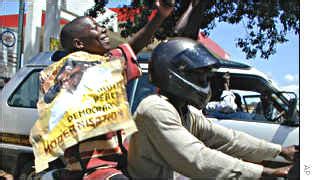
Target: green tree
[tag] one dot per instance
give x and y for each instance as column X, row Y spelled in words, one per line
column 97, row 9
column 267, row 22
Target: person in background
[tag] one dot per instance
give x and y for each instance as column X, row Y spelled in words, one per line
column 238, row 102
column 227, row 104
column 265, row 106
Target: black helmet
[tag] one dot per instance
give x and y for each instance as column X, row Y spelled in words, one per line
column 181, row 68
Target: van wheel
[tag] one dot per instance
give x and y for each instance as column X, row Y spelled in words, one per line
column 27, row 172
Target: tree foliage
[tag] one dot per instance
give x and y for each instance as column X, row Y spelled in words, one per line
column 98, row 8
column 266, row 22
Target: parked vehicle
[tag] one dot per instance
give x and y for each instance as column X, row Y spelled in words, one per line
column 18, row 113
column 19, row 96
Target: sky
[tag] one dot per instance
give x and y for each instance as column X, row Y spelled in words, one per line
column 283, row 67
column 118, row 3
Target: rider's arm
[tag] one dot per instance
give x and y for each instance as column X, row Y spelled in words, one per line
column 234, row 143
column 182, row 151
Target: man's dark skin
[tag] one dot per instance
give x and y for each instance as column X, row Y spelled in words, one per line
column 85, row 34
column 226, row 79
column 186, row 28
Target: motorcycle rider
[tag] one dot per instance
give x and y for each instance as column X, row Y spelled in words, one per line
column 174, row 135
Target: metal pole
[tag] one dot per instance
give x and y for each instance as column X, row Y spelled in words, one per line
column 20, row 34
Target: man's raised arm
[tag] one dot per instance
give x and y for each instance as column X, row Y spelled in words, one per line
column 189, row 23
column 144, row 35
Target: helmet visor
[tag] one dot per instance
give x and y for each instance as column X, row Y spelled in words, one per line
column 200, row 77
column 195, row 57
column 190, row 91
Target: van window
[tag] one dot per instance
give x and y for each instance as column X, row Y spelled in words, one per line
column 26, row 95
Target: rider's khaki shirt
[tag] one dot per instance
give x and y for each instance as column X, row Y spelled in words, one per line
column 194, row 147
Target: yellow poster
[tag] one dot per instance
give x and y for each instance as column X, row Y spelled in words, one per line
column 54, row 44
column 83, row 96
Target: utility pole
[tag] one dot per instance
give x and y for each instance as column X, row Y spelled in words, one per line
column 52, row 22
column 32, row 29
column 20, row 34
